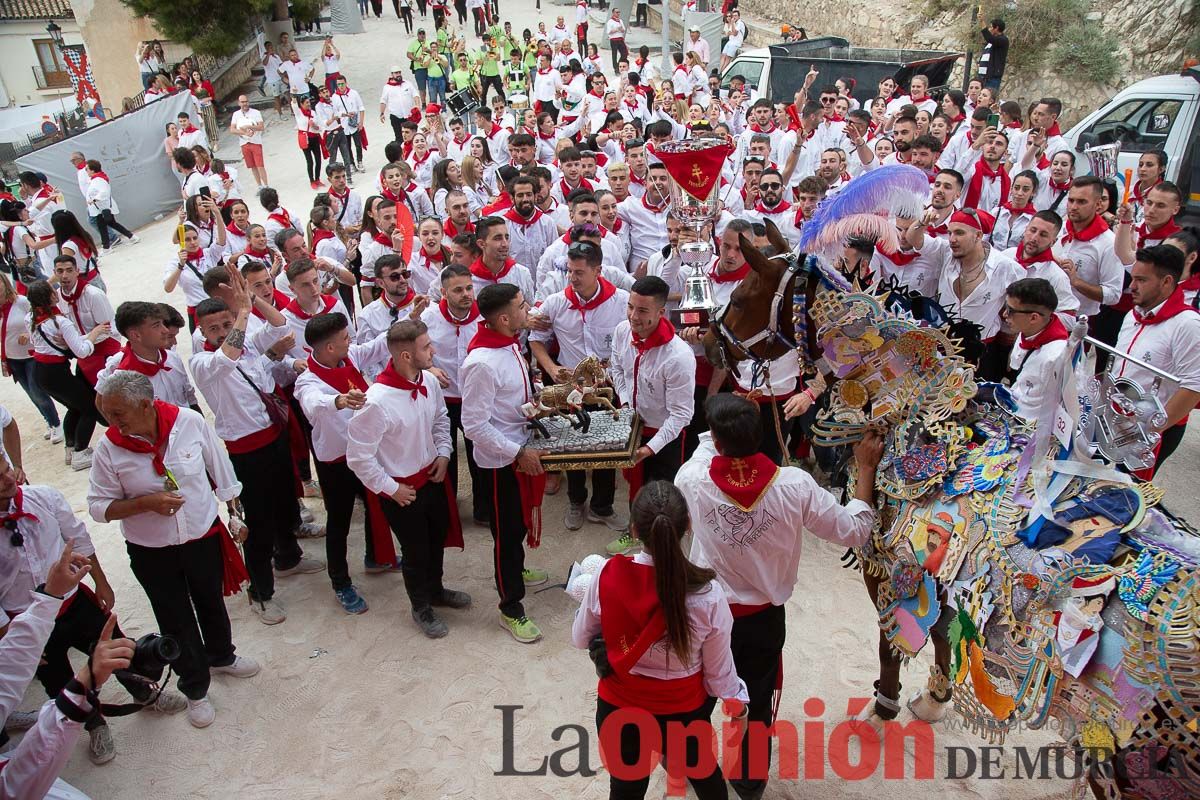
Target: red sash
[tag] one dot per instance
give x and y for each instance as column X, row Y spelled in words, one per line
column 91, row 365
column 385, row 547
column 233, row 568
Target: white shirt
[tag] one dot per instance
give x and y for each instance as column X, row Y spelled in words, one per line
column 196, row 137
column 192, row 184
column 921, row 274
column 545, row 86
column 1095, row 262
column 555, row 256
column 348, row 210
column 171, row 383
column 984, row 303
column 377, row 316
column 710, row 623
column 238, row 410
column 554, row 279
column 223, row 194
column 57, row 334
column 99, row 197
column 1172, row 345
column 1053, row 273
column 16, row 317
column 518, row 276
column 1038, row 376
column 614, row 29
column 1009, row 230
column 495, row 384
column 756, row 553
column 296, row 73
column 647, row 227
column 927, row 104
column 784, row 220
column 193, row 456
column 191, row 273
column 318, row 400
column 397, row 436
column 664, row 378
column 271, row 68
column 244, row 119
column 399, row 100
column 23, row 568
column 989, row 189
column 90, row 309
column 582, row 333
column 450, row 340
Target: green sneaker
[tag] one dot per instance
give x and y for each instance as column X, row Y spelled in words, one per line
column 521, row 628
column 623, row 545
column 534, row 577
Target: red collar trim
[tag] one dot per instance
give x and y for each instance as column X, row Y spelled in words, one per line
column 1056, row 331
column 743, row 480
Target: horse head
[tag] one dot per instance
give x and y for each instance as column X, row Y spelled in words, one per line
column 751, row 310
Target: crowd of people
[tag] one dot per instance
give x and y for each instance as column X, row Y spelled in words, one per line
column 356, row 347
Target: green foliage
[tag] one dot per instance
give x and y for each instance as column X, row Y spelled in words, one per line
column 306, row 10
column 209, row 27
column 1086, row 50
column 1054, row 32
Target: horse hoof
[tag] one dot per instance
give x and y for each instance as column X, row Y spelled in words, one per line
column 924, row 707
column 868, row 716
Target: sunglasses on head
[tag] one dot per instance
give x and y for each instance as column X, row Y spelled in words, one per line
column 583, row 249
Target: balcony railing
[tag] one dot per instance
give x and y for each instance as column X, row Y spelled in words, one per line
column 51, row 80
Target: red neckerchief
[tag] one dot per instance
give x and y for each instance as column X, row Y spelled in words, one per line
column 1139, row 195
column 439, row 257
column 1174, row 305
column 389, row 377
column 166, row 414
column 463, row 140
column 729, row 277
column 662, row 335
column 939, row 230
column 545, row 71
column 416, row 162
column 1044, row 257
column 235, row 230
column 395, row 197
column 81, row 247
column 799, row 218
column 779, row 209
column 1164, row 231
column 513, row 215
column 653, row 209
column 481, row 271
column 743, row 480
column 193, row 129
column 639, row 181
column 259, row 255
column 1053, row 130
column 343, row 92
column 760, row 129
column 975, row 187
column 102, row 176
column 278, row 299
column 616, row 228
column 1017, row 212
column 458, row 324
column 486, row 337
column 1192, row 284
column 343, row 197
column 1060, row 187
column 1097, row 227
column 1054, row 332
column 566, row 189
column 406, row 150
column 395, row 307
column 395, row 81
column 547, row 137
column 341, row 378
column 327, row 300
column 899, row 258
column 17, row 513
column 835, row 117
column 451, row 230
column 603, row 293
column 494, row 130
column 503, row 201
column 383, row 239
column 281, row 216
column 960, row 118
column 131, row 361
column 320, row 235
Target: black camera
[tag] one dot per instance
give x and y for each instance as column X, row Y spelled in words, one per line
column 151, row 655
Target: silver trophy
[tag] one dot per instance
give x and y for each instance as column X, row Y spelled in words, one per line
column 1103, row 160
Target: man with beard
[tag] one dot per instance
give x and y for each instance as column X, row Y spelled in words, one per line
column 772, row 206
column 943, row 198
column 923, row 154
column 389, row 239
column 904, row 133
column 458, row 214
column 987, row 181
column 741, row 194
column 959, row 151
column 1089, row 258
column 585, row 211
column 1043, row 132
column 530, row 231
column 762, row 121
column 832, row 169
column 494, row 264
column 646, row 216
column 1036, row 256
column 397, row 301
column 809, row 192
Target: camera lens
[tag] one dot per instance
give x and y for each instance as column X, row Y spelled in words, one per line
column 165, row 649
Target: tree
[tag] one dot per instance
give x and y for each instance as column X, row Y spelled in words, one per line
column 210, row 27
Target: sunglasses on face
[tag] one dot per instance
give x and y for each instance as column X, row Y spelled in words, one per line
column 766, row 187
column 398, row 275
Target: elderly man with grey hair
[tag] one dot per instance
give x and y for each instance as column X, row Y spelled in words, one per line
column 160, row 471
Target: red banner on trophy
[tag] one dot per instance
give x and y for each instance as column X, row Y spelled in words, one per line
column 698, row 168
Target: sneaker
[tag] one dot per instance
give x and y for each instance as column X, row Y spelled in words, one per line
column 105, row 250
column 312, row 489
column 49, row 428
column 553, row 483
column 312, row 184
column 614, row 521
column 310, row 530
column 521, row 628
column 101, row 749
column 81, row 460
column 352, row 602
column 135, row 239
column 116, row 242
column 269, row 611
column 428, row 622
column 304, row 566
column 372, row 568
column 449, row 598
column 70, row 454
column 534, row 577
column 306, row 514
column 21, row 720
column 573, row 519
column 167, row 702
column 201, row 712
column 622, row 545
column 56, row 434
column 241, row 667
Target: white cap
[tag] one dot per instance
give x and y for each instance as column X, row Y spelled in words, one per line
column 695, row 28
column 395, row 68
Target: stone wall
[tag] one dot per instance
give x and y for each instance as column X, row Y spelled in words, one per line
column 1152, row 38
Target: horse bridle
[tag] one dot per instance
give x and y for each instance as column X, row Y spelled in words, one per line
column 728, row 340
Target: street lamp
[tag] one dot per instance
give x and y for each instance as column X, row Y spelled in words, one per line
column 55, row 31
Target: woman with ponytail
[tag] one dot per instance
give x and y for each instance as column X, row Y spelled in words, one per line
column 658, row 628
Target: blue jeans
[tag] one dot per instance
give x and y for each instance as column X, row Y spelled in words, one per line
column 437, row 90
column 421, row 76
column 22, row 372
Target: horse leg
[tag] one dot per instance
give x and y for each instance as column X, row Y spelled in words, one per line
column 933, row 702
column 887, row 688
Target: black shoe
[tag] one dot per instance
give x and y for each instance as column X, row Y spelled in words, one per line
column 449, row 598
column 429, row 624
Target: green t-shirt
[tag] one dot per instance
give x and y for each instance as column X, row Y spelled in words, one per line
column 489, row 64
column 443, row 40
column 435, row 67
column 460, row 79
column 414, row 53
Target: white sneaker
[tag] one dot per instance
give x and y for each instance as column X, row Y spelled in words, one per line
column 241, row 667
column 46, row 435
column 269, row 611
column 55, row 434
column 81, row 460
column 201, row 712
column 134, row 239
column 70, row 454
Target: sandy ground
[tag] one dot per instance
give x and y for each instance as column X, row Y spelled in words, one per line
column 367, row 704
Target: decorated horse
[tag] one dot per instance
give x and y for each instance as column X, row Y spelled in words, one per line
column 1052, row 586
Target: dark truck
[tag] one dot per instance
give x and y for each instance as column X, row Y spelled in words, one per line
column 777, row 72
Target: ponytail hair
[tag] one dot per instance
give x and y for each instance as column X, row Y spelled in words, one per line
column 660, row 519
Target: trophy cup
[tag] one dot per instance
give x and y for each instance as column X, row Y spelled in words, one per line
column 695, row 168
column 1103, row 160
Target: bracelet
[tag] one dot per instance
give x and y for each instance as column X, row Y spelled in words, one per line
column 810, row 394
column 1124, row 222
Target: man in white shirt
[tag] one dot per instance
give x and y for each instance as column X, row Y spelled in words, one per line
column 747, row 516
column 614, row 31
column 399, row 447
column 772, row 206
column 1043, row 131
column 248, row 125
column 1036, row 254
column 698, row 45
column 397, row 101
column 297, row 73
column 350, row 113
column 1087, row 248
column 161, row 471
column 495, row 386
column 396, row 301
column 190, row 135
column 102, row 206
column 646, row 216
column 1036, row 359
column 147, row 350
column 1164, row 331
column 583, row 318
column 917, row 96
column 530, row 230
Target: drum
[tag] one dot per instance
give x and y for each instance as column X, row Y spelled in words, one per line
column 462, row 102
column 518, row 102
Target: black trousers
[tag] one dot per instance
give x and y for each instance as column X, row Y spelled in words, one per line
column 460, row 8
column 420, row 527
column 492, row 81
column 106, row 221
column 640, row 15
column 480, row 490
column 508, row 536
column 406, row 15
column 421, row 5
column 1106, row 326
column 272, row 513
column 1172, row 437
column 183, row 583
column 604, row 489
column 396, row 123
column 79, row 628
column 711, row 787
column 340, row 487
column 75, row 394
column 340, row 149
column 312, row 158
column 663, row 465
column 439, row 18
column 757, row 642
column 619, row 51
column 698, row 425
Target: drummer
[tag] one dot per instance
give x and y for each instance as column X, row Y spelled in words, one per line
column 516, row 77
column 464, row 85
